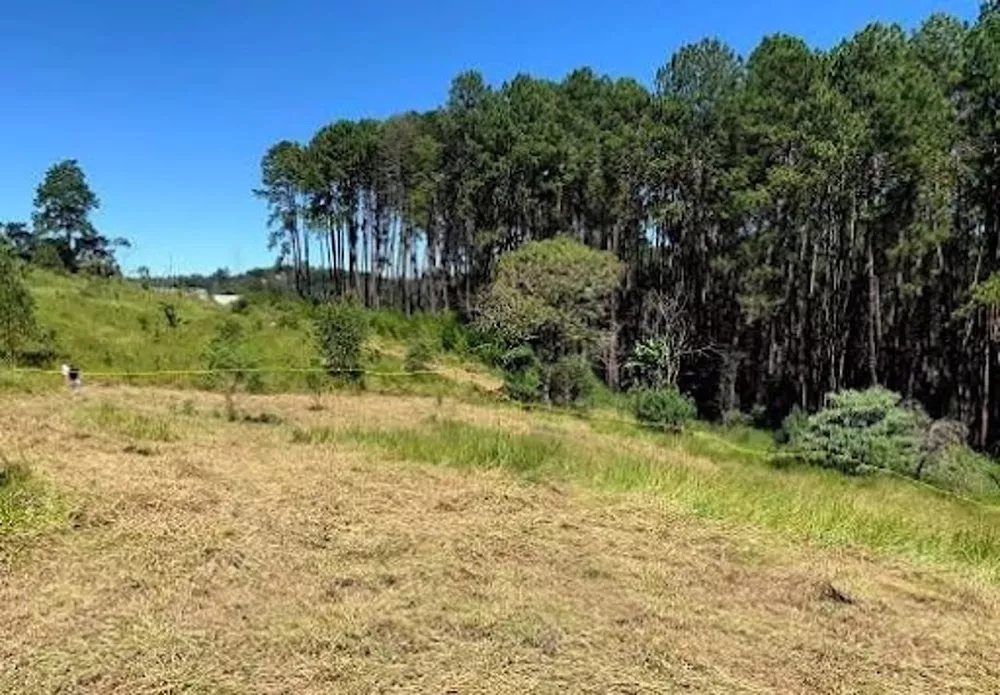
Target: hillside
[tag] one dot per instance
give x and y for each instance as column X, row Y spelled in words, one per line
column 401, row 544
column 120, row 326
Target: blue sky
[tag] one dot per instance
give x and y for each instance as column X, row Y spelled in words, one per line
column 169, row 105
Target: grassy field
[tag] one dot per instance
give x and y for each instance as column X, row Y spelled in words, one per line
column 119, row 326
column 407, row 544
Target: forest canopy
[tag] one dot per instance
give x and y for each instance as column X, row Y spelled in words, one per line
column 826, row 219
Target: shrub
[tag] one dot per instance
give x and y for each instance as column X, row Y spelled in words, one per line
column 341, row 331
column 522, row 374
column 487, row 347
column 958, row 468
column 39, row 351
column 47, row 256
column 419, row 353
column 229, row 362
column 453, row 335
column 316, row 383
column 240, row 306
column 171, row 314
column 736, row 418
column 652, row 364
column 858, row 431
column 792, row 425
column 17, row 309
column 571, row 381
column 663, row 408
column 947, row 462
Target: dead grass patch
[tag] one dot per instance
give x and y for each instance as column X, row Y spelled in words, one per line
column 236, row 563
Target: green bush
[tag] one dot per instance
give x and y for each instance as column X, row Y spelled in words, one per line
column 341, row 331
column 228, row 360
column 652, row 364
column 960, row 469
column 523, row 380
column 947, row 462
column 858, row 431
column 453, row 335
column 240, row 306
column 18, row 326
column 571, row 381
column 48, row 256
column 663, row 408
column 420, row 352
column 792, row 426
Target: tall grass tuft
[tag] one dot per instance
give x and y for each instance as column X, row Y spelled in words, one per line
column 27, row 506
column 108, row 417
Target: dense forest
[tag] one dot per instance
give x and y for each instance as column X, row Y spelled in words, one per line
column 824, row 219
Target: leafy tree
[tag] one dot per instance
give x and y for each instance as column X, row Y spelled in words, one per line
column 17, row 309
column 552, row 294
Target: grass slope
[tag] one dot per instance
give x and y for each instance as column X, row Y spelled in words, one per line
column 306, row 552
column 118, row 325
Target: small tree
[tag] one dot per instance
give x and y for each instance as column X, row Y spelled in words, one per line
column 341, row 331
column 230, row 365
column 655, row 362
column 17, row 309
column 420, row 351
column 859, row 431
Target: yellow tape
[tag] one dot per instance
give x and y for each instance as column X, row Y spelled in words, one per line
column 202, row 372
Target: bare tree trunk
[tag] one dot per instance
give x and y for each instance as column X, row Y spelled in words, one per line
column 873, row 327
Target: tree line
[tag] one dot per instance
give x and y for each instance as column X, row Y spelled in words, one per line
column 820, row 219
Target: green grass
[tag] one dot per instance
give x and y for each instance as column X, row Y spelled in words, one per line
column 733, row 483
column 27, row 506
column 117, row 325
column 107, row 417
column 452, row 443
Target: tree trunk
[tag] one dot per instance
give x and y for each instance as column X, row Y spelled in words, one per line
column 872, row 318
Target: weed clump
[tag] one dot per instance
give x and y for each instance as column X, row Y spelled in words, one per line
column 420, row 352
column 137, row 426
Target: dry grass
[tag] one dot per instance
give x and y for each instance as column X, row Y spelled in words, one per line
column 226, row 560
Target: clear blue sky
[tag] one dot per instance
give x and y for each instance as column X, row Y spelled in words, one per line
column 169, row 105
